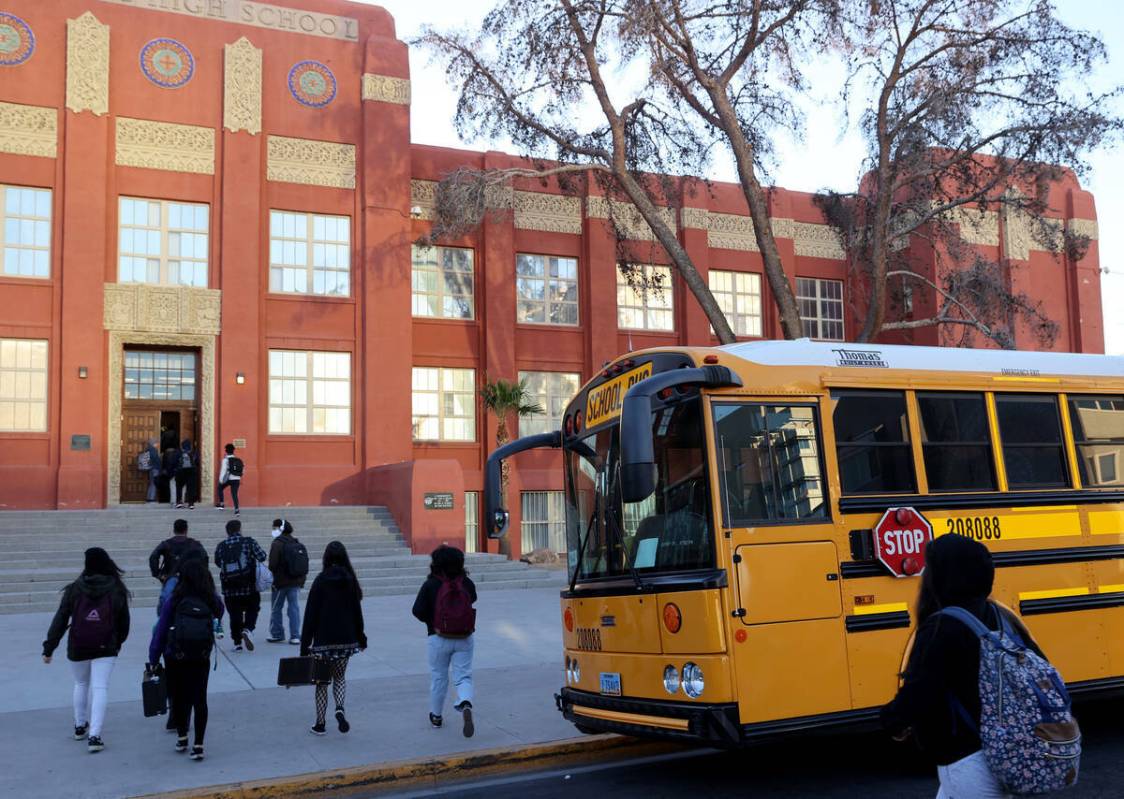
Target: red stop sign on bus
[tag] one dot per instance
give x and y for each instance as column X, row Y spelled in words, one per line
column 899, row 541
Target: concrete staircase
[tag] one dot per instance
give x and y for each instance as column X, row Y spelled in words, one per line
column 42, row 551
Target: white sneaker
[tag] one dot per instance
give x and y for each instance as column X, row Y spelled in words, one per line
column 295, row 641
column 248, row 639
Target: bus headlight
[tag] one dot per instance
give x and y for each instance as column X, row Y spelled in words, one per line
column 693, row 683
column 575, row 671
column 569, row 670
column 671, row 680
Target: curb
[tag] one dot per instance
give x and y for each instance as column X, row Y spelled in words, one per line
column 431, row 770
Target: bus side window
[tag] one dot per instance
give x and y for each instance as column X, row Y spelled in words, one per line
column 1031, row 430
column 955, row 441
column 872, row 442
column 1098, row 432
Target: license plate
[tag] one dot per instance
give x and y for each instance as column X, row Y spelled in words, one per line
column 610, row 684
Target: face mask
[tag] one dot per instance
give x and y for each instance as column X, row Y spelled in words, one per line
column 276, row 532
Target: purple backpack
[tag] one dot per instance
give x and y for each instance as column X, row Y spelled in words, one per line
column 1029, row 737
column 453, row 614
column 91, row 625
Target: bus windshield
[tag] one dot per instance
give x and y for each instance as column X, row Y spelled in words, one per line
column 668, row 531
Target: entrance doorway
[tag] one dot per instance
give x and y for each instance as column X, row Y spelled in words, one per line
column 160, row 404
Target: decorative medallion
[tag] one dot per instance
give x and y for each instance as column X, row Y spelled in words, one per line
column 167, row 63
column 17, row 42
column 312, row 83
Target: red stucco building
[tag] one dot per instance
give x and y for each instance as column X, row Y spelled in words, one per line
column 208, row 215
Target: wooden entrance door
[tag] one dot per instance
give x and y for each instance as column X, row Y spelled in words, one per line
column 138, row 426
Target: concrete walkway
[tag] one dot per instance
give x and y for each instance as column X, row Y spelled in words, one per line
column 257, row 730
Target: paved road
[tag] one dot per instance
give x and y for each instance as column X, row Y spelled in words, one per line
column 863, row 766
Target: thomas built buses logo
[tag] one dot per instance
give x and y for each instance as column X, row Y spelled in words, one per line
column 871, row 359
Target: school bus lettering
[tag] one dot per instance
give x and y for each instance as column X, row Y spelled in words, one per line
column 904, row 542
column 605, row 401
column 980, row 528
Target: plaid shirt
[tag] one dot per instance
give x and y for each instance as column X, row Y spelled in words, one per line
column 227, row 552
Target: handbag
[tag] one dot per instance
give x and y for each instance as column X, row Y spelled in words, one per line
column 303, row 671
column 154, row 692
column 264, row 577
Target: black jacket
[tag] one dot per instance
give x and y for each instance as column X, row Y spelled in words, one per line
column 333, row 613
column 93, row 586
column 170, row 551
column 427, row 599
column 944, row 664
column 281, row 576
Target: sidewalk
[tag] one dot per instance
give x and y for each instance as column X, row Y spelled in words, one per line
column 257, row 730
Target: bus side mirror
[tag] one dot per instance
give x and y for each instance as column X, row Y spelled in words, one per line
column 496, row 517
column 638, row 460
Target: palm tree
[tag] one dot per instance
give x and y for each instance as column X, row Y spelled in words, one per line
column 503, row 398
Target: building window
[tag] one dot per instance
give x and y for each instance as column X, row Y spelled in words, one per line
column 547, row 289
column 1098, row 432
column 163, row 242
column 23, row 385
column 471, row 519
column 821, row 307
column 647, row 303
column 443, row 282
column 309, row 392
column 25, row 232
column 309, row 254
column 444, row 404
column 543, row 521
column 739, row 296
column 159, row 375
column 551, row 391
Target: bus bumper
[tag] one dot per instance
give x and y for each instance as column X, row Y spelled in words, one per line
column 708, row 724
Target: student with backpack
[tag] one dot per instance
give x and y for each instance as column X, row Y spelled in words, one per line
column 333, row 629
column 230, row 474
column 978, row 695
column 184, row 637
column 167, row 554
column 148, row 461
column 288, row 561
column 185, row 476
column 237, row 558
column 95, row 608
column 444, row 604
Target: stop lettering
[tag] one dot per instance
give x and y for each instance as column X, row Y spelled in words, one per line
column 900, row 538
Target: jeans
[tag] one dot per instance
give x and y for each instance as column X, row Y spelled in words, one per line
column 443, row 653
column 233, row 485
column 91, row 691
column 185, row 486
column 151, row 495
column 188, row 689
column 969, row 778
column 280, row 596
column 243, row 612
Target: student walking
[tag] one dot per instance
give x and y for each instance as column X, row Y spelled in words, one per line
column 95, row 608
column 184, row 638
column 940, row 692
column 333, row 629
column 149, row 461
column 185, row 476
column 237, row 558
column 444, row 605
column 230, row 474
column 168, row 553
column 169, row 464
column 288, row 561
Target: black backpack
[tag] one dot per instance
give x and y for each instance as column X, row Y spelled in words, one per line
column 235, row 467
column 175, row 550
column 296, row 558
column 193, row 630
column 237, row 568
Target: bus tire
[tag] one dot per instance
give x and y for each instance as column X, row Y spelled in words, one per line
column 584, row 730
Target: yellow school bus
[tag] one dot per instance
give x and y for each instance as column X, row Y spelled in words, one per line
column 725, row 583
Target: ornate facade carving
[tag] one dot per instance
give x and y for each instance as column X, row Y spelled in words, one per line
column 976, row 226
column 138, row 307
column 731, row 232
column 817, row 241
column 29, row 130
column 311, row 162
column 1017, row 234
column 423, row 194
column 1083, row 227
column 242, row 87
column 87, row 65
column 206, row 344
column 385, row 89
column 695, row 218
column 165, row 145
column 551, row 213
column 626, row 217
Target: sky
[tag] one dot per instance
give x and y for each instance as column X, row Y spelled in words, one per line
column 830, row 153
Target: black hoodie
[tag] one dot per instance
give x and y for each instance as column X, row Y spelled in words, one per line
column 93, row 586
column 944, row 663
column 333, row 613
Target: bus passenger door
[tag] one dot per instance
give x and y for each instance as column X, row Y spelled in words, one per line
column 793, row 661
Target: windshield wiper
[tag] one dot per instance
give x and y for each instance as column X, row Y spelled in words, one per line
column 624, row 554
column 584, row 541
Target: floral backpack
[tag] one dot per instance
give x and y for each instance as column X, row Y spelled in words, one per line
column 1029, row 737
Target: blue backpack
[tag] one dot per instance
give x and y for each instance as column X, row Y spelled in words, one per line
column 1029, row 737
